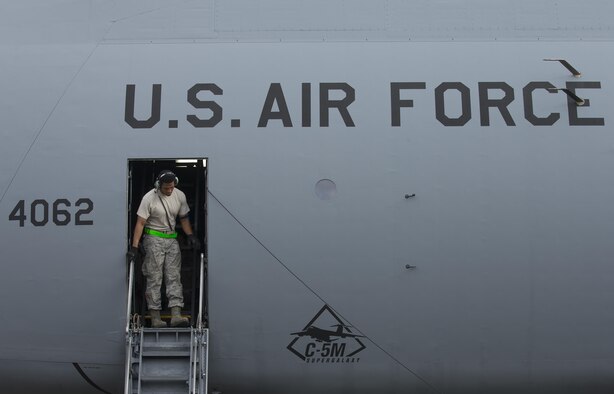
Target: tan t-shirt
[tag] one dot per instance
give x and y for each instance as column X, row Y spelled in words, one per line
column 152, row 211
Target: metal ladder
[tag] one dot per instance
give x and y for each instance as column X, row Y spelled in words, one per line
column 166, row 360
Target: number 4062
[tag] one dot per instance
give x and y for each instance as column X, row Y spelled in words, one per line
column 59, row 212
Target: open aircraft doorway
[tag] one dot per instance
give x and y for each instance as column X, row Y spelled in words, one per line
column 192, row 176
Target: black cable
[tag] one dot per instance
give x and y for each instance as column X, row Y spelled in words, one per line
column 430, row 386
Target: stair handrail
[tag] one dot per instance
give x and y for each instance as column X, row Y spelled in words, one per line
column 198, row 340
column 129, row 304
column 193, row 360
column 201, row 292
column 127, row 374
column 204, row 387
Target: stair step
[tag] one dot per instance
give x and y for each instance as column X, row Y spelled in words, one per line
column 165, row 353
column 160, row 391
column 166, row 378
column 147, row 343
column 165, row 347
column 157, row 391
column 166, row 330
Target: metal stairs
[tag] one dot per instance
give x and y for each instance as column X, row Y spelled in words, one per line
column 165, row 360
column 169, row 361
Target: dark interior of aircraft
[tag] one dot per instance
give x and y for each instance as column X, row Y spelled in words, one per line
column 192, row 175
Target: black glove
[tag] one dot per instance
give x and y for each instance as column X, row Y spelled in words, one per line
column 193, row 242
column 131, row 254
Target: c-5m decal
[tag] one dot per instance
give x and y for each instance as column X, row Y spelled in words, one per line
column 326, row 339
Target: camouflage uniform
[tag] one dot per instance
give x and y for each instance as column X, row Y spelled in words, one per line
column 162, row 259
column 162, row 255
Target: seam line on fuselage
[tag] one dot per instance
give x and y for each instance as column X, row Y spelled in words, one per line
column 430, row 386
column 40, row 131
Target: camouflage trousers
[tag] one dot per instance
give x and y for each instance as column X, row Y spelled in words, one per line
column 162, row 260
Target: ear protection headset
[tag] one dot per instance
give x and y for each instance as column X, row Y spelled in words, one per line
column 165, row 174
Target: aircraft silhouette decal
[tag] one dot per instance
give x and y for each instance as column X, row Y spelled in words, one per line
column 314, row 344
column 321, row 335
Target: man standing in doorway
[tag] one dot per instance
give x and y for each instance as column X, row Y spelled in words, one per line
column 156, row 220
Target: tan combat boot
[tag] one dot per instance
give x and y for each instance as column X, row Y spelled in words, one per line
column 176, row 319
column 156, row 321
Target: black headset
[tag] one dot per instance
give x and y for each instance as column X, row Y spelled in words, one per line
column 165, row 174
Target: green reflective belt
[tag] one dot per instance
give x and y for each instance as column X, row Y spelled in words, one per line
column 159, row 233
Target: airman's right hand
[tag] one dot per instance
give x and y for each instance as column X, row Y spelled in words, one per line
column 131, row 254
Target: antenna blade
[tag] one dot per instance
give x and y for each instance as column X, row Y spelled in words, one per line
column 566, row 64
